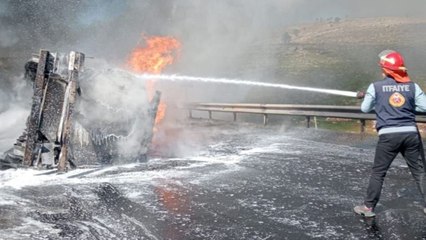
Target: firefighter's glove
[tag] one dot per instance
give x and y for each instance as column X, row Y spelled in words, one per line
column 360, row 94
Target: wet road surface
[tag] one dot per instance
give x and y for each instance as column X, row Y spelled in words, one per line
column 229, row 181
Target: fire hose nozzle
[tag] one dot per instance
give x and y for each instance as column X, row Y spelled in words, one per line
column 360, row 94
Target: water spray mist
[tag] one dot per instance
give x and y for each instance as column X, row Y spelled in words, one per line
column 242, row 82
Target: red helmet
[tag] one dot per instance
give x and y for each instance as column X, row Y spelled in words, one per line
column 392, row 60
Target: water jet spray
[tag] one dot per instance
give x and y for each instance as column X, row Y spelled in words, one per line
column 242, row 82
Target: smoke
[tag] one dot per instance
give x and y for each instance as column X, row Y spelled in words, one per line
column 215, row 34
column 109, row 28
column 245, row 39
column 116, row 103
column 8, row 37
column 112, row 90
column 14, row 110
column 13, row 124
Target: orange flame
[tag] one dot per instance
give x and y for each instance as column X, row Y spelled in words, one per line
column 152, row 58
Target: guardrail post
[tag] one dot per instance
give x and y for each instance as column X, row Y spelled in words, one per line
column 210, row 115
column 235, row 116
column 362, row 125
column 308, row 121
column 265, row 119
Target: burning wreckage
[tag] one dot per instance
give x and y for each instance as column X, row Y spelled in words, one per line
column 81, row 118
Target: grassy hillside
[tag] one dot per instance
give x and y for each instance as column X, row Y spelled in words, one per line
column 338, row 54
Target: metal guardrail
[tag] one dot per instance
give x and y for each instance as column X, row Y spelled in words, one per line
column 344, row 112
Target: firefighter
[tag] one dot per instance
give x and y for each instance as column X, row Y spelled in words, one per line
column 395, row 100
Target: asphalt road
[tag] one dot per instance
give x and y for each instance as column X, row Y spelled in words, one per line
column 220, row 181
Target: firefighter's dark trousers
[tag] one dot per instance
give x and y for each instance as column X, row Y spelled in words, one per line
column 388, row 147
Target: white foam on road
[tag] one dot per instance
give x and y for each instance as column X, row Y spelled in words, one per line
column 25, row 230
column 20, row 178
column 273, row 148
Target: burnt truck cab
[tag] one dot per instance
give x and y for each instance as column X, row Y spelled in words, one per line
column 69, row 127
